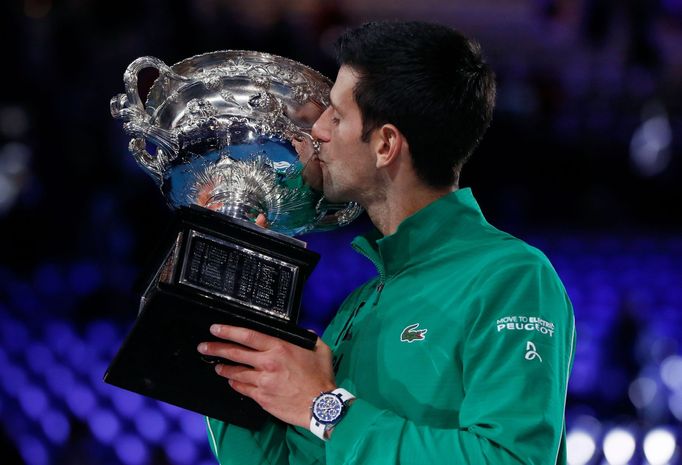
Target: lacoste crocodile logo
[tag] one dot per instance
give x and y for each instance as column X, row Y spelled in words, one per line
column 411, row 333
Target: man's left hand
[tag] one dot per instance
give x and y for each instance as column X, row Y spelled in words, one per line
column 281, row 377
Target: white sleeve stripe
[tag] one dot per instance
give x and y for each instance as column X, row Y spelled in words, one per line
column 568, row 374
column 215, row 445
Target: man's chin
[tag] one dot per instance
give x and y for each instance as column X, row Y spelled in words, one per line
column 334, row 196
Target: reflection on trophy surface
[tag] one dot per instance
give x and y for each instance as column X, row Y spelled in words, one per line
column 219, row 112
column 226, row 136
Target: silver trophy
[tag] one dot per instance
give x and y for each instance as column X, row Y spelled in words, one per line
column 227, row 137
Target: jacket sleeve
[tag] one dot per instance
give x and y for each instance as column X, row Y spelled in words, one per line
column 276, row 443
column 513, row 408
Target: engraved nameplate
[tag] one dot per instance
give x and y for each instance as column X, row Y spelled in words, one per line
column 239, row 274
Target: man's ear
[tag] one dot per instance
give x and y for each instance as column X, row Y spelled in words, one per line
column 388, row 144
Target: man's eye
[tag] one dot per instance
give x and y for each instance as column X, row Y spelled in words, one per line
column 335, row 120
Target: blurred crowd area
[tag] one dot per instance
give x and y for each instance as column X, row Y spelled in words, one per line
column 582, row 160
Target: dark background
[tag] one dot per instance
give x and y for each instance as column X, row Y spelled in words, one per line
column 582, row 160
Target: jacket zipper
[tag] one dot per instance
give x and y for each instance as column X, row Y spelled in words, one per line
column 379, row 288
column 347, row 328
column 349, row 324
column 380, row 269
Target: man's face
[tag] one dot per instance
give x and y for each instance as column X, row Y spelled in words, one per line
column 348, row 165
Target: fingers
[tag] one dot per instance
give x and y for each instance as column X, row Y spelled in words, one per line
column 246, row 337
column 241, row 374
column 229, row 351
column 262, row 221
column 244, row 380
column 244, row 389
column 248, row 382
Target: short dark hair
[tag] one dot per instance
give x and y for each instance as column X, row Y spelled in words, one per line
column 428, row 80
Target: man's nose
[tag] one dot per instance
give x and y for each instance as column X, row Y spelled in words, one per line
column 320, row 129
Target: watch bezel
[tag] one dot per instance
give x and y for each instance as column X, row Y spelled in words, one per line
column 316, row 406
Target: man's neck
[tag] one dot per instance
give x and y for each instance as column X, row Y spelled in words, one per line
column 389, row 212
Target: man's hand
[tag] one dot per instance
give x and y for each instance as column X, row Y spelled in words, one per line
column 307, row 155
column 261, row 221
column 281, row 377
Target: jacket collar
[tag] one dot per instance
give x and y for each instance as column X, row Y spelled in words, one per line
column 455, row 215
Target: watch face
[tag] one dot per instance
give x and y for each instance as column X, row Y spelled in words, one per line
column 327, row 408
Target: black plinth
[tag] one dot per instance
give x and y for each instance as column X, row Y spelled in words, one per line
column 215, row 270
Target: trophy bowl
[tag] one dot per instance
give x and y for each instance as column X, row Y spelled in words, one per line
column 227, row 137
column 231, row 132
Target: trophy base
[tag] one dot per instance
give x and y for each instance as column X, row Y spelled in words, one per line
column 264, row 275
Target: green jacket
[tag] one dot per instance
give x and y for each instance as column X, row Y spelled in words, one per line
column 459, row 352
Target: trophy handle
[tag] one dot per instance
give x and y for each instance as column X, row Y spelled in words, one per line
column 129, row 107
column 131, row 73
column 152, row 165
column 332, row 215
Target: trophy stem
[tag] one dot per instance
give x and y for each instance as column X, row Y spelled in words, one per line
column 237, row 205
column 239, row 211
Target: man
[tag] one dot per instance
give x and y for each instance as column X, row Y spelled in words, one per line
column 459, row 351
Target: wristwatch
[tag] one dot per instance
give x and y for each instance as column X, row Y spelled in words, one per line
column 327, row 410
